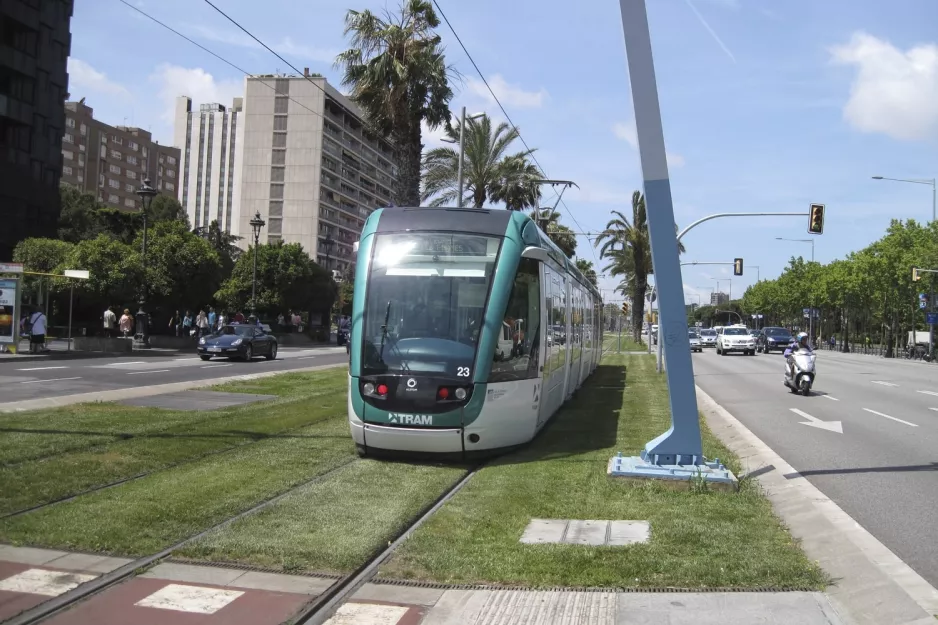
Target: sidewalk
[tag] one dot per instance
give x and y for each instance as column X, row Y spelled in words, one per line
column 233, row 596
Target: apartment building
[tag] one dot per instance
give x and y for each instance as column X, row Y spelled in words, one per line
column 209, row 180
column 112, row 161
column 310, row 166
column 34, row 47
column 718, row 298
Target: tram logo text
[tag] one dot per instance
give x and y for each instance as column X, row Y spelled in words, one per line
column 410, row 419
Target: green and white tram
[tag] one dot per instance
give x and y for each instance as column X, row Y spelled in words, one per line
column 470, row 328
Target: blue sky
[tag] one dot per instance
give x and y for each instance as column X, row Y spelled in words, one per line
column 768, row 105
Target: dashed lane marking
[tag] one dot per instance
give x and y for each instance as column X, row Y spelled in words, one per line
column 932, row 393
column 52, row 380
column 883, row 383
column 217, row 366
column 139, row 372
column 42, row 368
column 830, row 398
column 888, row 417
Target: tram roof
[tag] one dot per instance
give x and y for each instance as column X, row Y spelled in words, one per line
column 485, row 221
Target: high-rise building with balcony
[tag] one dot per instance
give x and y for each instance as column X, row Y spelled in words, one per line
column 310, row 166
column 34, row 47
column 209, row 181
column 718, row 298
column 112, row 161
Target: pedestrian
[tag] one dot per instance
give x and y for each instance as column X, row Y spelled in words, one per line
column 110, row 322
column 201, row 324
column 175, row 322
column 126, row 323
column 211, row 317
column 187, row 324
column 37, row 332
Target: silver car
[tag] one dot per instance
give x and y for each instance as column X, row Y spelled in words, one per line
column 708, row 338
column 695, row 344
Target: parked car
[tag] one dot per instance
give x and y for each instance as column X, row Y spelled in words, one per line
column 695, row 344
column 774, row 338
column 239, row 341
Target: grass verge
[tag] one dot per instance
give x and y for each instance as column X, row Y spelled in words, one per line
column 303, row 400
column 698, row 539
column 331, row 526
column 146, row 515
column 37, row 434
column 611, row 342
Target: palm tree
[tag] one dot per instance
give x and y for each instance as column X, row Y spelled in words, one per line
column 398, row 75
column 561, row 235
column 489, row 173
column 586, row 268
column 628, row 248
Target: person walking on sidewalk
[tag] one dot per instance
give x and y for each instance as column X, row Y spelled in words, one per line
column 37, row 333
column 126, row 323
column 110, row 322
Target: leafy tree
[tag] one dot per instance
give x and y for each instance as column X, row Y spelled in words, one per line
column 42, row 255
column 116, row 271
column 397, row 73
column 77, row 219
column 167, row 208
column 586, row 268
column 489, row 171
column 183, row 271
column 224, row 243
column 287, row 279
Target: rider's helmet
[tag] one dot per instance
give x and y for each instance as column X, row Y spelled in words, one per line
column 802, row 339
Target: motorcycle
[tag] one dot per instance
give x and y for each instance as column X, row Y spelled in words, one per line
column 801, row 375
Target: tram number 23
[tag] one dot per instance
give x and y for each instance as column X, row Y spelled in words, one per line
column 462, row 372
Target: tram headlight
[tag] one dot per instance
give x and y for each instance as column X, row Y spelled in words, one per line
column 368, row 388
column 460, row 393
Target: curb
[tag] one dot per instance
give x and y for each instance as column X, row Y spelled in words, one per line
column 146, row 391
column 872, row 585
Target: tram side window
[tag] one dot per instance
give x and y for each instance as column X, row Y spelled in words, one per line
column 558, row 320
column 516, row 352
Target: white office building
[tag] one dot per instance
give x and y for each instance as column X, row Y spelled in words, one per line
column 294, row 150
column 209, row 181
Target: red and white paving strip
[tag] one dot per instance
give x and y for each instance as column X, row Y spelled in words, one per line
column 182, row 594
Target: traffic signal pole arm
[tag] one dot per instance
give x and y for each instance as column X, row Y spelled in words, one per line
column 716, row 215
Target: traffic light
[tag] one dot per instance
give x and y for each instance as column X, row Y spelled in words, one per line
column 916, row 276
column 738, row 267
column 816, row 221
column 625, row 309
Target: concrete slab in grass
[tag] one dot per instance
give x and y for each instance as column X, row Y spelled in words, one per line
column 592, row 533
column 197, row 400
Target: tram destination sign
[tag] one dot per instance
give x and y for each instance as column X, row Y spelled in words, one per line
column 452, row 244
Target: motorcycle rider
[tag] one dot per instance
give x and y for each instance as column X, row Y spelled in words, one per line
column 800, row 342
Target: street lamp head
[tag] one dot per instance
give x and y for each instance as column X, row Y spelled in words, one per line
column 448, row 140
column 146, row 193
column 256, row 224
column 475, row 116
column 877, row 177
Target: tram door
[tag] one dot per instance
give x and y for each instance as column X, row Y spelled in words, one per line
column 553, row 342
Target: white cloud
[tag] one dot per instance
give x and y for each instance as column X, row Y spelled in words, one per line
column 285, row 46
column 894, row 91
column 82, row 77
column 432, row 138
column 509, row 95
column 173, row 81
column 626, row 132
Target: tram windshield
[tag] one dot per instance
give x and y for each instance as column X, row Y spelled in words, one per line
column 425, row 302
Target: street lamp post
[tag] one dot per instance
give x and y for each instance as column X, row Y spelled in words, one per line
column 256, row 224
column 142, row 319
column 462, row 150
column 934, row 217
column 811, row 313
column 756, row 267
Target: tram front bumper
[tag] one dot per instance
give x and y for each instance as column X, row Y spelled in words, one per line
column 421, row 440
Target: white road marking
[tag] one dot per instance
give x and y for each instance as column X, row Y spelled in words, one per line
column 888, row 417
column 215, row 366
column 928, row 393
column 119, row 364
column 370, row 613
column 189, row 358
column 883, row 383
column 43, row 582
column 830, row 426
column 52, row 380
column 42, row 368
column 194, row 599
column 139, row 372
column 935, row 409
column 306, row 357
column 830, row 398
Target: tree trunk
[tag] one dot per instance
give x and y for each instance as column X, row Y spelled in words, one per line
column 638, row 307
column 406, row 190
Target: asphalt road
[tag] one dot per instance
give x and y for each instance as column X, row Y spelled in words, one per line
column 51, row 378
column 882, row 469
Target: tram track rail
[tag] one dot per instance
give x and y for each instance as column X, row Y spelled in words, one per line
column 324, row 606
column 63, row 602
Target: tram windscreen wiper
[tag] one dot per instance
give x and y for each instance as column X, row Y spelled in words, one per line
column 384, row 331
